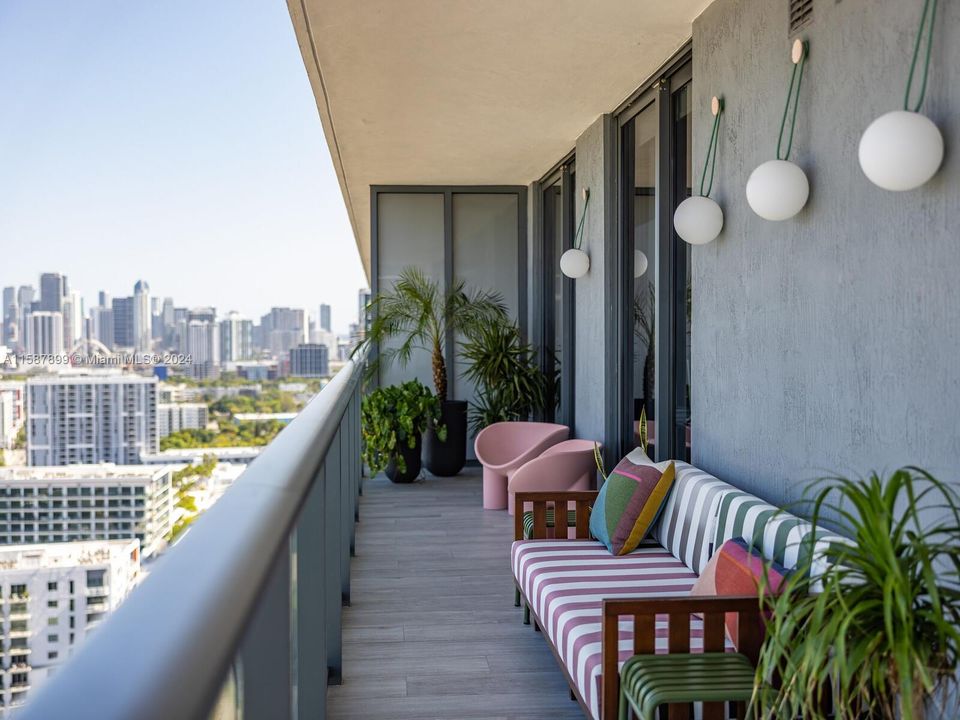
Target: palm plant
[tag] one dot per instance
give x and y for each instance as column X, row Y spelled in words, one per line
column 418, row 312
column 878, row 632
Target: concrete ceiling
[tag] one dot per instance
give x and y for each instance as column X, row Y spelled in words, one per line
column 471, row 92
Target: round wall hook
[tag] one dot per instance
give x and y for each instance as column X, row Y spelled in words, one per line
column 798, row 50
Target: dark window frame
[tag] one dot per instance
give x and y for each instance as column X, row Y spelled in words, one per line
column 448, row 191
column 658, row 93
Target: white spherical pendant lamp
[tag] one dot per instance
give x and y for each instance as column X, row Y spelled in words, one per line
column 698, row 220
column 640, row 263
column 574, row 263
column 777, row 190
column 903, row 149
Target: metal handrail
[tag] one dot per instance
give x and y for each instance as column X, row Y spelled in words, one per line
column 166, row 651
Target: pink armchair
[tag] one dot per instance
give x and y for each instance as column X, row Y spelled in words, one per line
column 566, row 466
column 503, row 447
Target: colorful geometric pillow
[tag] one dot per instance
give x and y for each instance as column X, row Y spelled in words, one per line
column 739, row 571
column 630, row 501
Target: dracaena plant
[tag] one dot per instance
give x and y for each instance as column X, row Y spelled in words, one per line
column 418, row 314
column 394, row 417
column 876, row 634
column 509, row 382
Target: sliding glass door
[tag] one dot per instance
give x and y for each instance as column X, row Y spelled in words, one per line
column 655, row 302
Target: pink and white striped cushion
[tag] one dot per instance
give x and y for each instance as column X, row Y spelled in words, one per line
column 566, row 582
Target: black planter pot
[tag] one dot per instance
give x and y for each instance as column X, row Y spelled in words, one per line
column 412, row 458
column 447, row 458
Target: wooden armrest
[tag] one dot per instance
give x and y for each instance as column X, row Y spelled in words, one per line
column 582, row 499
column 678, row 609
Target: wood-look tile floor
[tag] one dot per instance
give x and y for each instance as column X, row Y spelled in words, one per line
column 432, row 633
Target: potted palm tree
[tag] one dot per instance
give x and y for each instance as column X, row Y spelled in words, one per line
column 417, row 314
column 876, row 634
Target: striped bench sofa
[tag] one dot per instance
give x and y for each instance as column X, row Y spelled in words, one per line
column 577, row 591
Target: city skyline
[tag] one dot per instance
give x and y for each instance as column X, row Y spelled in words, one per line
column 184, row 159
column 320, row 312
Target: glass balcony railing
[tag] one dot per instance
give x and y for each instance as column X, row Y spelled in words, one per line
column 258, row 584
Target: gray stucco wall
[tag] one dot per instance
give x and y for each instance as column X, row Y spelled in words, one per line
column 591, row 344
column 829, row 342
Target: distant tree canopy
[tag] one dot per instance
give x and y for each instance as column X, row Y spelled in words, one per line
column 268, row 401
column 230, row 434
column 202, row 469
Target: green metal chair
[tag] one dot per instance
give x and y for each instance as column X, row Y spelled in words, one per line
column 648, row 681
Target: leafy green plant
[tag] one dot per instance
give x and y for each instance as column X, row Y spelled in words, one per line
column 882, row 633
column 421, row 315
column 395, row 416
column 509, row 382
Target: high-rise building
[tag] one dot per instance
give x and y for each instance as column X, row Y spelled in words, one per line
column 57, row 594
column 102, row 323
column 94, row 418
column 326, row 318
column 25, row 295
column 103, row 298
column 281, row 329
column 310, row 360
column 123, row 331
column 72, row 320
column 44, row 333
column 142, row 319
column 172, row 417
column 52, row 290
column 236, row 338
column 203, row 347
column 9, row 330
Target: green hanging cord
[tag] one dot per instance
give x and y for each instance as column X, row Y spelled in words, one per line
column 578, row 239
column 711, row 160
column 931, row 6
column 795, row 77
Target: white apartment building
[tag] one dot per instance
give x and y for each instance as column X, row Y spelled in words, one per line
column 44, row 334
column 172, row 417
column 11, row 412
column 91, row 418
column 52, row 597
column 236, row 338
column 87, row 502
column 203, row 346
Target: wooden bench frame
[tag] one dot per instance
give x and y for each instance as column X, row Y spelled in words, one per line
column 642, row 610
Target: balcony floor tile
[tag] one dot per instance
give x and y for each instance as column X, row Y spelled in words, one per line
column 431, row 633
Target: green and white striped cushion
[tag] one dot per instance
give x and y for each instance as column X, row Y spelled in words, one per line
column 528, row 521
column 777, row 534
column 687, row 525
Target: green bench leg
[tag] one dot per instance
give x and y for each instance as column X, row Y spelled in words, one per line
column 526, row 614
column 516, row 597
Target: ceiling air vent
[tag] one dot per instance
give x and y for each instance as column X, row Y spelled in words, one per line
column 801, row 14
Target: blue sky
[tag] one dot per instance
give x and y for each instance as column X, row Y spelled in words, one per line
column 173, row 140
